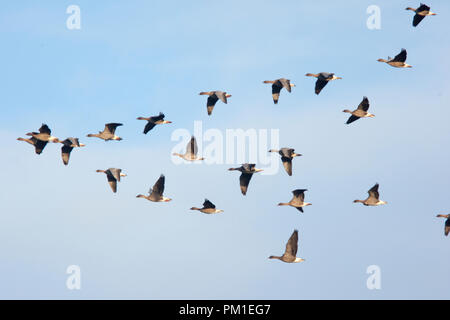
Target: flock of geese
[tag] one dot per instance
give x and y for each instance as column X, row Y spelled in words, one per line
column 156, row 194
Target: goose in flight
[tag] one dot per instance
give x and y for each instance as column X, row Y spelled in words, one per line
column 44, row 134
column 322, row 79
column 298, row 200
column 360, row 112
column 447, row 222
column 287, row 154
column 108, row 133
column 113, row 175
column 39, row 145
column 398, row 61
column 208, row 208
column 290, row 254
column 247, row 170
column 277, row 85
column 155, row 194
column 153, row 121
column 373, row 199
column 191, row 151
column 213, row 97
column 67, row 147
column 421, row 12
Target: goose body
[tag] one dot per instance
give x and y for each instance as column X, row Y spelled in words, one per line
column 360, row 112
column 290, row 253
column 67, row 148
column 155, row 194
column 191, row 151
column 208, row 208
column 213, row 97
column 109, row 133
column 153, row 121
column 447, row 223
column 113, row 175
column 373, row 199
column 421, row 12
column 44, row 134
column 398, row 61
column 247, row 170
column 277, row 85
column 287, row 154
column 322, row 80
column 298, row 200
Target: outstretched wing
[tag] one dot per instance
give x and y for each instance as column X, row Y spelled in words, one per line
column 286, row 84
column 192, row 148
column 208, row 204
column 65, row 153
column 401, row 57
column 111, row 127
column 210, row 103
column 244, row 180
column 299, row 194
column 222, row 96
column 45, row 129
column 276, row 88
column 287, row 163
column 292, row 245
column 149, row 126
column 39, row 145
column 158, row 188
column 352, row 119
column 320, row 84
column 158, row 117
column 373, row 192
column 416, row 20
column 364, row 105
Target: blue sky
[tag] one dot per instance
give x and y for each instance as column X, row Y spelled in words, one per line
column 137, row 58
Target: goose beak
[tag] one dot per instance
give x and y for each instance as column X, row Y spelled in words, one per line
column 167, row 121
column 82, row 145
column 259, row 170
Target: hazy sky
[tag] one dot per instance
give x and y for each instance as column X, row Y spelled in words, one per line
column 137, row 58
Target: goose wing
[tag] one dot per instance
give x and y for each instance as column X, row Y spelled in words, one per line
column 364, row 105
column 45, row 129
column 287, row 164
column 276, row 88
column 447, row 226
column 244, row 181
column 158, row 188
column 192, row 148
column 352, row 118
column 286, row 83
column 373, row 192
column 111, row 180
column 208, row 205
column 299, row 194
column 210, row 103
column 401, row 57
column 65, row 152
column 320, row 84
column 222, row 96
column 292, row 245
column 39, row 145
column 111, row 127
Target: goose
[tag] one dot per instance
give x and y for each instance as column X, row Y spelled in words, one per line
column 322, row 79
column 447, row 222
column 290, row 254
column 398, row 61
column 155, row 194
column 421, row 12
column 153, row 121
column 208, row 208
column 277, row 85
column 67, row 147
column 287, row 154
column 113, row 175
column 247, row 170
column 39, row 145
column 44, row 134
column 213, row 97
column 108, row 133
column 191, row 151
column 360, row 112
column 297, row 200
column 373, row 199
